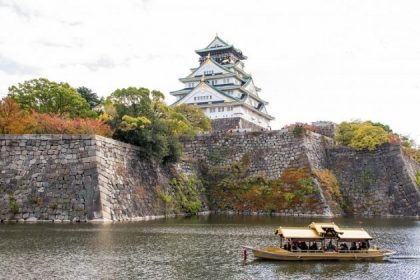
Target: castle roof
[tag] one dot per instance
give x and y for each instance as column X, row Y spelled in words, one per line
column 220, row 45
column 205, row 85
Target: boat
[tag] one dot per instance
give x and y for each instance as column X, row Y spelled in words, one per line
column 321, row 241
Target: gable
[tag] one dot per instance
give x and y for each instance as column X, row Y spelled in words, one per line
column 217, row 42
column 204, row 93
column 208, row 68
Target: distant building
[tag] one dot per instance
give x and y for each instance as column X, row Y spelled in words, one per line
column 221, row 87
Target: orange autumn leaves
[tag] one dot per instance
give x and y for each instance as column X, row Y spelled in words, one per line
column 14, row 120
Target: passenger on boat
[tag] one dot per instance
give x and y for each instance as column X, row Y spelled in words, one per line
column 330, row 246
column 314, row 246
column 353, row 246
column 303, row 246
column 294, row 246
column 343, row 246
column 363, row 246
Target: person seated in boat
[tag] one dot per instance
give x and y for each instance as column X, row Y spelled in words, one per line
column 314, row 246
column 363, row 246
column 353, row 246
column 294, row 246
column 344, row 247
column 331, row 247
column 303, row 246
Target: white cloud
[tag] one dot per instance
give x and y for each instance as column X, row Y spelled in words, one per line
column 314, row 60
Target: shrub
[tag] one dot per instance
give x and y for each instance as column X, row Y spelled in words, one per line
column 13, row 206
column 186, row 197
column 288, row 196
column 412, row 153
column 298, row 129
column 13, row 120
column 54, row 124
column 330, row 184
column 368, row 137
column 418, row 178
column 363, row 135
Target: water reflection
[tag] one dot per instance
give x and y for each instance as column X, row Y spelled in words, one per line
column 191, row 248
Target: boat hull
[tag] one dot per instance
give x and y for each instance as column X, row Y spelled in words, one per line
column 274, row 253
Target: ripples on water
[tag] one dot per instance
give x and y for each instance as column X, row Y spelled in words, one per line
column 190, row 248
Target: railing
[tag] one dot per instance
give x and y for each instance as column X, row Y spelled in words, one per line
column 327, row 251
column 306, row 251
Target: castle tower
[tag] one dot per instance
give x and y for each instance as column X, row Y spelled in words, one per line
column 223, row 90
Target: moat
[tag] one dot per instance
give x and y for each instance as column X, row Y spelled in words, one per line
column 191, row 248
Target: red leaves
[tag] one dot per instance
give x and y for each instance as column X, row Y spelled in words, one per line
column 13, row 120
column 53, row 124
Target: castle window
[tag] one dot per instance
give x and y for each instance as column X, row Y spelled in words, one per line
column 209, row 72
column 221, row 109
column 212, row 110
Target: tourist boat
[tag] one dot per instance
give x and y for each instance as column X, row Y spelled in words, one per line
column 321, row 241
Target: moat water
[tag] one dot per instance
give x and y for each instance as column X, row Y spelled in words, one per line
column 191, row 248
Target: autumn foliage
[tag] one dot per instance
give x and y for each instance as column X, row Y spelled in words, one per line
column 299, row 128
column 231, row 187
column 54, row 124
column 13, row 120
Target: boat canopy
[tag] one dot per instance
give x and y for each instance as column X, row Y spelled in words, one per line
column 316, row 231
column 297, row 233
column 322, row 228
column 354, row 234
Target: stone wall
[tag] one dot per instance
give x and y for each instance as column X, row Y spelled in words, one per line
column 270, row 152
column 79, row 178
column 76, row 178
column 325, row 128
column 372, row 183
column 128, row 185
column 234, row 124
column 48, row 177
column 380, row 182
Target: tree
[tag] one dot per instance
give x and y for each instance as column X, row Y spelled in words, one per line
column 368, row 136
column 195, row 116
column 45, row 96
column 141, row 117
column 140, row 120
column 91, row 97
column 13, row 120
column 54, row 124
column 345, row 132
column 364, row 135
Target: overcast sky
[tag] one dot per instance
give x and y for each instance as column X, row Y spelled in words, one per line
column 314, row 60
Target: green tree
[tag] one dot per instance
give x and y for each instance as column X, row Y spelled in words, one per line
column 91, row 97
column 384, row 126
column 368, row 136
column 345, row 132
column 199, row 121
column 46, row 96
column 140, row 119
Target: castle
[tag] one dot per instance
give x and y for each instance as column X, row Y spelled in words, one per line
column 223, row 90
